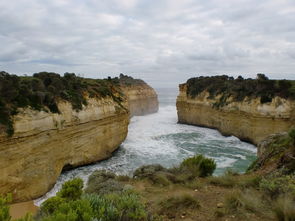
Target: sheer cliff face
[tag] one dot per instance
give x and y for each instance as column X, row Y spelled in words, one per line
column 249, row 119
column 44, row 143
column 141, row 99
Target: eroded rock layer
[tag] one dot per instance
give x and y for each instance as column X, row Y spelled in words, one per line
column 248, row 119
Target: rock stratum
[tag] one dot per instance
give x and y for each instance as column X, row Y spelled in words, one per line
column 249, row 117
column 44, row 143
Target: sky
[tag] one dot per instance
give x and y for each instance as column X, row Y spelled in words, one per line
column 163, row 42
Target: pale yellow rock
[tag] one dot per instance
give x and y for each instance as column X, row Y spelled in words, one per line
column 249, row 120
column 44, row 143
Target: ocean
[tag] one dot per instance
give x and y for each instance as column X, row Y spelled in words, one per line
column 158, row 139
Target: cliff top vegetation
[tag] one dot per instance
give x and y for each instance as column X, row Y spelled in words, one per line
column 128, row 81
column 42, row 91
column 240, row 88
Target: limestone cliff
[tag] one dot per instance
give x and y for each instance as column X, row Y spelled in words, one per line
column 141, row 99
column 49, row 122
column 248, row 119
column 44, row 143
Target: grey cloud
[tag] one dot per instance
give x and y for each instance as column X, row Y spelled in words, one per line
column 164, row 42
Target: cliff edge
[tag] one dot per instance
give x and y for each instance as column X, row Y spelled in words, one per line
column 250, row 109
column 49, row 123
column 141, row 98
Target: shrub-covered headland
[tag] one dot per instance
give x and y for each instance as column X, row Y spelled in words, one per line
column 240, row 88
column 43, row 90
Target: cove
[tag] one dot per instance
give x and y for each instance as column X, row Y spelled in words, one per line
column 159, row 139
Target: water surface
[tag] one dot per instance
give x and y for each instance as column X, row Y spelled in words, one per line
column 158, row 139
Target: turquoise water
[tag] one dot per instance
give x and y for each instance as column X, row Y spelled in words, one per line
column 158, row 139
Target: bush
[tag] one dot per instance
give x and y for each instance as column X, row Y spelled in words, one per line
column 103, row 182
column 44, row 89
column 71, row 190
column 4, row 208
column 238, row 89
column 117, row 206
column 77, row 210
column 199, row 166
column 51, row 204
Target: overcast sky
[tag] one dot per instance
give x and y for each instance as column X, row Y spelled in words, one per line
column 161, row 41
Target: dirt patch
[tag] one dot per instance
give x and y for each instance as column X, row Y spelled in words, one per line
column 19, row 210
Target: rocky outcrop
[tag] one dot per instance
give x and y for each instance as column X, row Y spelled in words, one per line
column 141, row 99
column 276, row 153
column 44, row 143
column 249, row 119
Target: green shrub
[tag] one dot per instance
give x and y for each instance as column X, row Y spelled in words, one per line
column 199, row 166
column 72, row 189
column 27, row 217
column 51, row 204
column 77, row 210
column 118, row 206
column 238, row 89
column 103, row 182
column 4, row 208
column 44, row 89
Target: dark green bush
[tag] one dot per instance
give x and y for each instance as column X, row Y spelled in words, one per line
column 51, row 204
column 77, row 210
column 71, row 190
column 240, row 88
column 199, row 166
column 42, row 90
column 4, row 208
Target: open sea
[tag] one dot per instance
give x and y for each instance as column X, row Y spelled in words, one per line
column 159, row 139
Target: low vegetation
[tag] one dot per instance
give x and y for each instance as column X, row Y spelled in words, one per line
column 279, row 154
column 238, row 89
column 43, row 90
column 186, row 192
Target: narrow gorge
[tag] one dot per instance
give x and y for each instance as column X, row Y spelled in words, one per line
column 44, row 142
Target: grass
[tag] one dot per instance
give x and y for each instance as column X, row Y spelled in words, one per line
column 230, row 180
column 284, row 209
column 179, row 202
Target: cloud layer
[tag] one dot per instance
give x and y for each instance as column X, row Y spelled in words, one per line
column 164, row 41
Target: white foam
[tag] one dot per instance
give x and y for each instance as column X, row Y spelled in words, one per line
column 154, row 139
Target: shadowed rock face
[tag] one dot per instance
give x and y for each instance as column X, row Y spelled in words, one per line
column 142, row 99
column 44, row 143
column 248, row 119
